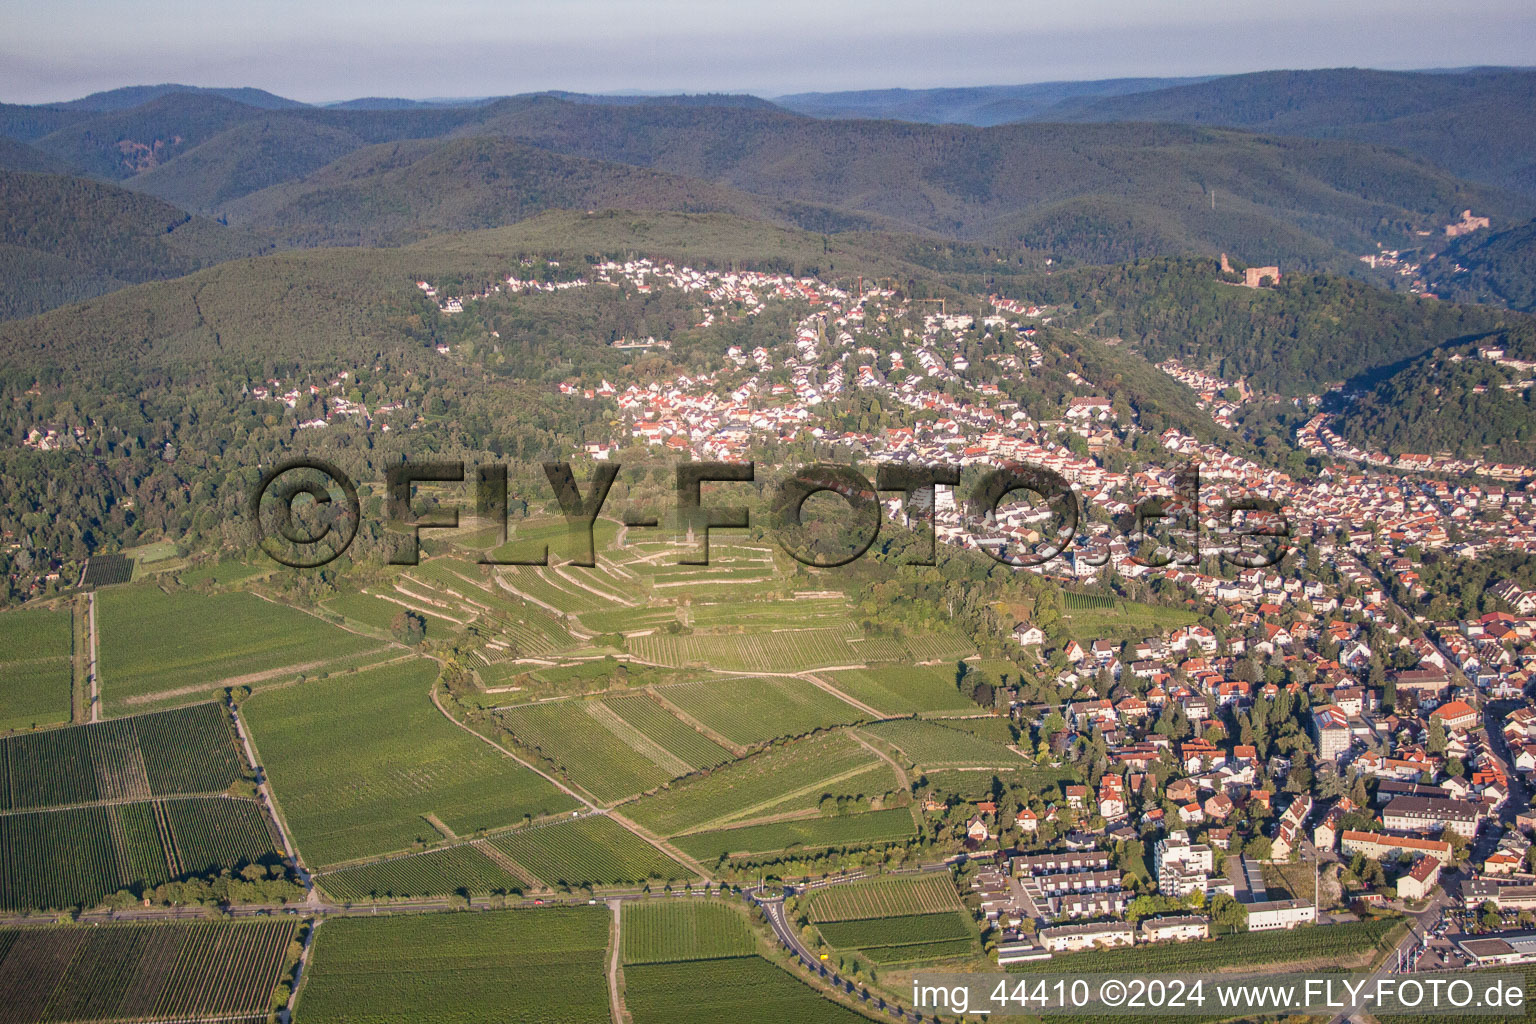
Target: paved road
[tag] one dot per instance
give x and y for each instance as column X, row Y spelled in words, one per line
column 1422, row 921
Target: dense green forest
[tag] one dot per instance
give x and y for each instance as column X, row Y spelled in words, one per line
column 1451, row 401
column 1479, row 124
column 1298, row 337
column 63, row 239
column 1498, row 267
column 372, row 174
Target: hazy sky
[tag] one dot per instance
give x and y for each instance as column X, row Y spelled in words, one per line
column 337, row 49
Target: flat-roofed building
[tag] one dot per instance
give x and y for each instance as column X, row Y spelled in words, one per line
column 1269, row 915
column 1053, row 863
column 1181, row 928
column 1069, row 938
column 1478, row 891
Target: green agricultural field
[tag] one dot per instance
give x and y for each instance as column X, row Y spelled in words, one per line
column 35, row 671
column 778, row 780
column 1122, row 620
column 911, row 930
column 786, row 614
column 591, row 850
column 741, row 990
column 465, row 869
column 897, row 896
column 135, row 972
column 544, row 966
column 903, row 689
column 937, row 645
column 78, row 857
column 596, row 752
column 152, row 642
column 356, row 761
column 872, row 828
column 793, row 650
column 1334, row 942
column 660, row 726
column 187, row 750
column 221, row 573
column 930, row 744
column 755, row 709
column 671, row 930
column 992, row 728
column 366, row 609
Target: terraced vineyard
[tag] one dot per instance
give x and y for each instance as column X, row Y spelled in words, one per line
column 668, row 931
column 741, row 990
column 543, row 966
column 755, row 709
column 932, row 745
column 884, row 897
column 872, row 828
column 187, row 750
column 457, row 869
column 136, row 972
column 582, row 747
column 78, row 857
column 35, row 673
column 778, row 780
column 157, row 643
column 356, row 761
column 591, row 850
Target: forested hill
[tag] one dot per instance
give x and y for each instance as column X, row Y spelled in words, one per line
column 63, row 239
column 1498, row 267
column 1095, row 193
column 1091, row 192
column 979, row 105
column 1479, row 124
column 1306, row 333
column 1452, row 401
column 398, row 192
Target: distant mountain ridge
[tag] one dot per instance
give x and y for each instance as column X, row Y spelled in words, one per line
column 130, row 96
column 1095, row 191
column 983, row 106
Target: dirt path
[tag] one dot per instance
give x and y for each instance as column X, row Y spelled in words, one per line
column 290, row 850
column 736, row 749
column 509, row 865
column 615, row 934
column 441, row 826
column 815, row 680
column 90, row 621
column 901, row 773
column 635, row 739
column 664, row 846
column 561, row 786
column 594, row 591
